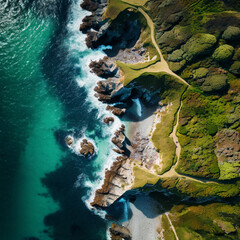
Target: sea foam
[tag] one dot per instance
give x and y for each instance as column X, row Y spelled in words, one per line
column 87, row 79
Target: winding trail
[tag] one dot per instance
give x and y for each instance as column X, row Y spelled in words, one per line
column 165, row 68
column 164, row 65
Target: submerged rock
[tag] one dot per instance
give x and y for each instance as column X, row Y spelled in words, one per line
column 87, row 148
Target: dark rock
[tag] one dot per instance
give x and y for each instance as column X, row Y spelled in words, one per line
column 108, row 120
column 90, row 5
column 119, row 232
column 104, row 68
column 116, row 111
column 87, row 148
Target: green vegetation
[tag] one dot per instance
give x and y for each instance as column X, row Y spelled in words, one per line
column 168, row 232
column 143, row 177
column 131, row 72
column 114, row 8
column 170, row 97
column 215, row 83
column 231, row 33
column 229, row 170
column 187, row 187
column 223, row 53
column 211, row 221
column 202, row 117
column 198, row 45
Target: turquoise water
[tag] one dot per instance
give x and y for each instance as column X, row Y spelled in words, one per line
column 46, row 91
column 29, row 114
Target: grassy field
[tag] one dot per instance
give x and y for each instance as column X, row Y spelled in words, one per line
column 143, row 177
column 117, row 6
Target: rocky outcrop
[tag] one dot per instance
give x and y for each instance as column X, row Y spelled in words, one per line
column 108, row 120
column 117, row 180
column 119, row 138
column 228, row 146
column 119, row 232
column 87, row 148
column 69, row 140
column 228, row 153
column 116, row 111
column 144, row 151
column 104, row 68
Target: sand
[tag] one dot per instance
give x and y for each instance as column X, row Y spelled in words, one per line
column 145, row 219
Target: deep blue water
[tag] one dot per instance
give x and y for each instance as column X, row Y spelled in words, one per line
column 46, row 94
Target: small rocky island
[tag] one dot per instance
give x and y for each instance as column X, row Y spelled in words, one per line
column 181, row 60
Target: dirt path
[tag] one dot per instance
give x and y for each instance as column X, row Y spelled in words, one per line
column 173, row 135
column 164, row 64
column 173, row 228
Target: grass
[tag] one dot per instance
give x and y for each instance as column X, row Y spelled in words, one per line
column 114, row 8
column 167, row 232
column 186, row 187
column 171, row 94
column 117, row 6
column 209, row 221
column 143, row 177
column 203, row 116
column 131, row 72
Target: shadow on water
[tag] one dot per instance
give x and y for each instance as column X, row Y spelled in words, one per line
column 73, row 220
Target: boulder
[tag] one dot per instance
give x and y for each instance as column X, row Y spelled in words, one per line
column 215, row 83
column 69, row 140
column 235, row 68
column 87, row 148
column 119, row 232
column 89, row 5
column 198, row 45
column 223, row 53
column 116, row 111
column 231, row 33
column 108, row 120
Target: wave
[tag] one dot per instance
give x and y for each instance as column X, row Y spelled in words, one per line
column 86, row 79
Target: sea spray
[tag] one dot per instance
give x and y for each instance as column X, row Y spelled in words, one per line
column 78, row 50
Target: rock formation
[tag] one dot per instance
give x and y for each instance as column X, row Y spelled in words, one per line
column 119, row 232
column 87, row 148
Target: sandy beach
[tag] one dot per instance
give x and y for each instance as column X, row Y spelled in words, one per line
column 145, row 218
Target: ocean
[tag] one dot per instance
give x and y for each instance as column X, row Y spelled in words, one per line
column 46, row 95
